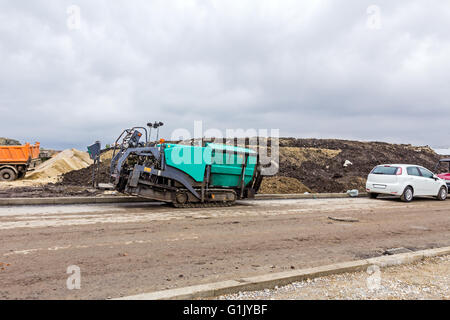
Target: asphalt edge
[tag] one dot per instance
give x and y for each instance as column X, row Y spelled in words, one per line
column 272, row 280
column 122, row 199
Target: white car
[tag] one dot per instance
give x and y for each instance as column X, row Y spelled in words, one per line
column 405, row 181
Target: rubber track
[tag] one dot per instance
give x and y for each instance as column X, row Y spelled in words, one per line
column 204, row 204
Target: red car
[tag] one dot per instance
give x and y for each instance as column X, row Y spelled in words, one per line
column 444, row 176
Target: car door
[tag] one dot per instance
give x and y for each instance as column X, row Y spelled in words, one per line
column 430, row 185
column 415, row 179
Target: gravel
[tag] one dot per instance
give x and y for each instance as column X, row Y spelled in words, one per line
column 427, row 279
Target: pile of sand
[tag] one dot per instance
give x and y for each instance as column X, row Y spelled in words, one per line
column 282, row 185
column 63, row 162
column 296, row 156
column 107, row 155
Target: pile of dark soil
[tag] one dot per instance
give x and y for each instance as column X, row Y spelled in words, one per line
column 83, row 177
column 330, row 175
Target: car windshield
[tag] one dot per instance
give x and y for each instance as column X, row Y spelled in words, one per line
column 388, row 170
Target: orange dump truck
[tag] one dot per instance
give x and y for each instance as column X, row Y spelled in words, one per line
column 15, row 161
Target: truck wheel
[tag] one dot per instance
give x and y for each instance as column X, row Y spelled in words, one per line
column 407, row 195
column 443, row 193
column 7, row 174
column 373, row 195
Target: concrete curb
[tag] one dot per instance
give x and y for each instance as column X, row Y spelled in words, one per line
column 269, row 281
column 122, row 199
column 306, row 196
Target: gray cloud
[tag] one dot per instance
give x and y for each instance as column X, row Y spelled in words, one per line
column 309, row 68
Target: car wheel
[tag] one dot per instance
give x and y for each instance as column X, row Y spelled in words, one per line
column 443, row 193
column 373, row 195
column 407, row 195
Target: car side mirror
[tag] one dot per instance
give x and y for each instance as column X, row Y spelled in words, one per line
column 435, row 177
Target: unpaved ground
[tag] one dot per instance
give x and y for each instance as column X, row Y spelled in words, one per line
column 427, row 279
column 50, row 190
column 127, row 249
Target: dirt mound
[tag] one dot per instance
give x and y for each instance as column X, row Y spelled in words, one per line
column 9, row 142
column 83, row 177
column 282, row 185
column 297, row 156
column 63, row 162
column 322, row 174
column 106, row 155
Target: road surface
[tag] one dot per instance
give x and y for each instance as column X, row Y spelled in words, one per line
column 128, row 249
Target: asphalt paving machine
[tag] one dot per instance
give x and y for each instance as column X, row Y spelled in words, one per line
column 188, row 175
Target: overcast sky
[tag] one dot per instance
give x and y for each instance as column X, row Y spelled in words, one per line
column 323, row 69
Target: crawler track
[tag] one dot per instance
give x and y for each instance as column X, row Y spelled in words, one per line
column 216, row 204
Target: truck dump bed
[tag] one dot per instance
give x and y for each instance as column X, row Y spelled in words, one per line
column 19, row 154
column 15, row 161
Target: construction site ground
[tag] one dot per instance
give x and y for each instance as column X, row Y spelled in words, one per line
column 128, row 249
